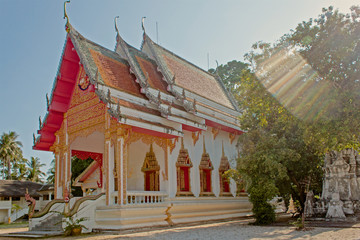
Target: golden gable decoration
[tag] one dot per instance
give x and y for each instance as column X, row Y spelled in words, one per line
column 205, row 168
column 151, row 171
column 224, row 180
column 183, row 165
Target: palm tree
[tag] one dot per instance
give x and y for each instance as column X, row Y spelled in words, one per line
column 51, row 172
column 35, row 172
column 20, row 170
column 10, row 151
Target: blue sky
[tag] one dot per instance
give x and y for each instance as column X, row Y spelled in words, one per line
column 32, row 36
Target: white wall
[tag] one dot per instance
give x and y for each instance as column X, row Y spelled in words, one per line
column 136, row 157
column 214, row 148
column 92, row 143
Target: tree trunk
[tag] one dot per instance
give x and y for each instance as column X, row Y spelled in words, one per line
column 9, row 169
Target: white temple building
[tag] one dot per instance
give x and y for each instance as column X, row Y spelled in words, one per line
column 160, row 130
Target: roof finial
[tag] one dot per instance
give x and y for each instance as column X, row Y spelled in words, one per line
column 40, row 122
column 217, row 67
column 47, row 101
column 182, row 143
column 142, row 23
column 66, row 16
column 116, row 27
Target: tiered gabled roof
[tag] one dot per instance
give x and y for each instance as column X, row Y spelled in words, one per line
column 200, row 92
column 186, row 75
column 151, row 89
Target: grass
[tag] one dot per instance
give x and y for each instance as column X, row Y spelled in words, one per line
column 14, row 225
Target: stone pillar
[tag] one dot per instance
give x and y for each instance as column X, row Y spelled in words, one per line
column 107, row 146
column 57, row 169
column 119, row 164
column 106, row 160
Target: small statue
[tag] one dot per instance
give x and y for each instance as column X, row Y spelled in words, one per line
column 292, row 208
column 335, row 207
column 348, row 207
column 31, row 204
column 309, row 204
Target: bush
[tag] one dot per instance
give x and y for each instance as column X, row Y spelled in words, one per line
column 260, row 194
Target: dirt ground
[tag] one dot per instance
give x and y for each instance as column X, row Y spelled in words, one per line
column 236, row 229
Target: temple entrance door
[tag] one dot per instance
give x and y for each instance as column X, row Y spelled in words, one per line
column 184, row 179
column 151, row 181
column 225, row 184
column 206, row 180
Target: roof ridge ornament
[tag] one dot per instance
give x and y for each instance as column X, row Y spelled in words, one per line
column 116, row 26
column 67, row 25
column 47, row 101
column 40, row 122
column 142, row 23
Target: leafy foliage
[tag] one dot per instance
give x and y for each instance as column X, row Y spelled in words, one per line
column 71, row 223
column 35, row 174
column 275, row 158
column 20, row 170
column 51, row 172
column 230, row 73
column 77, row 167
column 10, row 151
column 314, row 72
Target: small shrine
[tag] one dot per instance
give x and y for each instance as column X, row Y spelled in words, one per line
column 340, row 198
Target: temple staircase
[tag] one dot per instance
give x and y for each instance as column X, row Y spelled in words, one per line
column 18, row 214
column 48, row 221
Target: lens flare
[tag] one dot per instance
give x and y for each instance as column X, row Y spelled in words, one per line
column 290, row 79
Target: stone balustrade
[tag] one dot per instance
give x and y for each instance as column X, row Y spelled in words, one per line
column 145, row 197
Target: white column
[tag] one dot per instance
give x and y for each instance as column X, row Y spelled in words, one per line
column 121, row 171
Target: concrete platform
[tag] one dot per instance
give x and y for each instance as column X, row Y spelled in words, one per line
column 33, row 234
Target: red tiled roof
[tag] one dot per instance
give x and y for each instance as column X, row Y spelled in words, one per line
column 187, row 77
column 155, row 78
column 116, row 74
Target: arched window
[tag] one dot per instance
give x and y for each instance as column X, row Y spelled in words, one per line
column 151, row 169
column 205, row 168
column 183, row 165
column 224, row 180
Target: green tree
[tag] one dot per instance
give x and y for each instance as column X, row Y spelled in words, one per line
column 77, row 167
column 331, row 45
column 313, row 72
column 51, row 173
column 34, row 172
column 275, row 159
column 20, row 170
column 230, row 73
column 10, row 151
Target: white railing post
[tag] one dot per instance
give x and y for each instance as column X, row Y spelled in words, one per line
column 145, row 197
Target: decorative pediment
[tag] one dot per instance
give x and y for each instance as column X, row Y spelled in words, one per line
column 150, row 162
column 183, row 159
column 205, row 162
column 224, row 162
